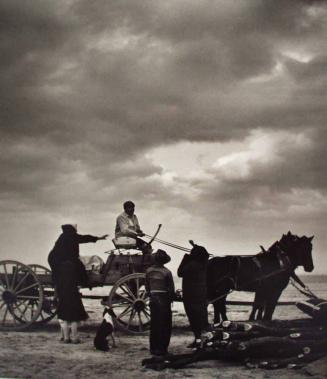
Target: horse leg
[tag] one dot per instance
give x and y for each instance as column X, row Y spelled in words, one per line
column 270, row 306
column 223, row 311
column 258, row 307
column 260, row 312
column 253, row 312
column 254, row 307
column 219, row 307
column 216, row 313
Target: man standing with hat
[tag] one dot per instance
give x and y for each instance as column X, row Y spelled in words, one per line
column 160, row 286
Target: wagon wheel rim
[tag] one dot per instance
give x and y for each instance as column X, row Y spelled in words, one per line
column 49, row 303
column 21, row 296
column 130, row 303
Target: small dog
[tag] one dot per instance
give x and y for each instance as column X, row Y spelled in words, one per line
column 105, row 330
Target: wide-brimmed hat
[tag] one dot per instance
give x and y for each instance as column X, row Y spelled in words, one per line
column 161, row 257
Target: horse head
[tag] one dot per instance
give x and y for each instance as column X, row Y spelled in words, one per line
column 299, row 250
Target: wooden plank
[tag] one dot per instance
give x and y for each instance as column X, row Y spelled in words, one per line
column 250, row 303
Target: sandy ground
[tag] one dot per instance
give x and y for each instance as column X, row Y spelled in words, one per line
column 38, row 353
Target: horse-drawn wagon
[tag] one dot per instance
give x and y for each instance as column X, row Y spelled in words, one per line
column 27, row 294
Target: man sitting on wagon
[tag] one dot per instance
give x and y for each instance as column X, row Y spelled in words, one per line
column 128, row 230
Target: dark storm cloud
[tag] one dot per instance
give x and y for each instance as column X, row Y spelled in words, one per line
column 88, row 86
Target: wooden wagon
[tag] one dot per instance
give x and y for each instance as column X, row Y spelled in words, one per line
column 27, row 294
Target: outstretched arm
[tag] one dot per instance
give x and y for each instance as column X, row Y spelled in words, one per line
column 88, row 238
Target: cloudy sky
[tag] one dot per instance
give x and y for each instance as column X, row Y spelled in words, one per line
column 209, row 114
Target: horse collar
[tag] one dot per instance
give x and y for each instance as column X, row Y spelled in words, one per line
column 283, row 259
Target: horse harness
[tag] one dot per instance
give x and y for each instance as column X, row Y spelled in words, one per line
column 284, row 266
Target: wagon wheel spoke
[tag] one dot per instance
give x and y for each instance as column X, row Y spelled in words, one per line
column 140, row 322
column 12, row 313
column 6, row 275
column 2, row 283
column 22, row 302
column 27, row 297
column 21, row 281
column 131, row 317
column 126, row 311
column 137, row 287
column 119, row 305
column 5, row 316
column 143, row 295
column 127, row 290
column 32, row 309
column 124, row 297
column 13, row 279
column 147, row 314
column 22, row 313
column 27, row 288
column 48, row 309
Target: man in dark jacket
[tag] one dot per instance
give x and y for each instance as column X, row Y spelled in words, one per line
column 193, row 270
column 160, row 286
column 66, row 248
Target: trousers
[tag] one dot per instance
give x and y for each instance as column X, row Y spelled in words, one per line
column 197, row 315
column 160, row 323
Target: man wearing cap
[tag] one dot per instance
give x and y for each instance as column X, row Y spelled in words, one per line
column 128, row 229
column 160, row 286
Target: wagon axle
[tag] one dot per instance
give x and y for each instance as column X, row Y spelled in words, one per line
column 9, row 297
column 139, row 305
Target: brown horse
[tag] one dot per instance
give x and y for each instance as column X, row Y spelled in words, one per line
column 266, row 274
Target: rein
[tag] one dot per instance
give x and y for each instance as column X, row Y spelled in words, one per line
column 170, row 244
column 245, row 284
column 155, row 234
column 305, row 290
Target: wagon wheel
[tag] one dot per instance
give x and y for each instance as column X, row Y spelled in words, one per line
column 49, row 304
column 21, row 296
column 130, row 303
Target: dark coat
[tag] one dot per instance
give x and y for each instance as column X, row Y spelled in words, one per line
column 70, row 306
column 66, row 248
column 193, row 270
column 194, row 274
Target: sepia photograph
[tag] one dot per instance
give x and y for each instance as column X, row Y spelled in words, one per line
column 163, row 189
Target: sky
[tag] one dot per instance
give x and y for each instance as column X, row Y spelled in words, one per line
column 209, row 114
